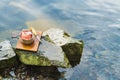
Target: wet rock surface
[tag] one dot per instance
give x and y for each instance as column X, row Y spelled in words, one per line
column 72, row 48
column 48, row 55
column 57, row 49
column 73, row 52
column 7, row 55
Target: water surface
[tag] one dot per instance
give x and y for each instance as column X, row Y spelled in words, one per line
column 97, row 22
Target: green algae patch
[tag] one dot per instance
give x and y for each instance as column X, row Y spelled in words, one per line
column 57, row 48
column 48, row 55
column 72, row 48
column 30, row 58
column 73, row 52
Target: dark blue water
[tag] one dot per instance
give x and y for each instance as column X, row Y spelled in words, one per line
column 97, row 22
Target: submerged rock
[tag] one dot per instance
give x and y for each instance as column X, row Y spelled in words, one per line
column 26, row 72
column 7, row 55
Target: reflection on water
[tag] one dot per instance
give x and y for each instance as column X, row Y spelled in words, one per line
column 42, row 24
column 97, row 22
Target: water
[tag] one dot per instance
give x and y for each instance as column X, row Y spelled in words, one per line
column 97, row 22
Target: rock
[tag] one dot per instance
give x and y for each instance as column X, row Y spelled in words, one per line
column 7, row 55
column 57, row 36
column 57, row 48
column 73, row 52
column 48, row 55
column 73, row 48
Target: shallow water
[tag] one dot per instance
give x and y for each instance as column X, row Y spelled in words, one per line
column 97, row 22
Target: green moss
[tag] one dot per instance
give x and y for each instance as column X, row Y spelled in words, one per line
column 73, row 52
column 66, row 34
column 31, row 58
column 47, row 38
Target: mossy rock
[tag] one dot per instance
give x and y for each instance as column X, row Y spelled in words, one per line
column 73, row 52
column 57, row 48
column 72, row 47
column 48, row 55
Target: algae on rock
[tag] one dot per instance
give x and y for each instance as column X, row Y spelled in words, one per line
column 73, row 52
column 57, row 48
column 48, row 55
column 73, row 48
